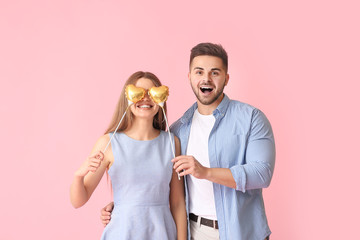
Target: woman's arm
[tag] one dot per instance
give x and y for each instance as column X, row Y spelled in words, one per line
column 88, row 176
column 177, row 200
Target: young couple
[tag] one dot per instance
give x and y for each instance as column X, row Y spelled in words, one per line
column 227, row 156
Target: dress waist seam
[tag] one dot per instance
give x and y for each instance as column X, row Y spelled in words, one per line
column 141, row 204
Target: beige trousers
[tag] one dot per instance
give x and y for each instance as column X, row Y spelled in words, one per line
column 202, row 232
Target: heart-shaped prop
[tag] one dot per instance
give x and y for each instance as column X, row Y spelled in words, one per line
column 159, row 94
column 134, row 94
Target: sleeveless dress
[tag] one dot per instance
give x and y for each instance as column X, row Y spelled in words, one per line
column 140, row 177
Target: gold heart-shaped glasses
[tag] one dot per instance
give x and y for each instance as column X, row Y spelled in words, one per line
column 157, row 94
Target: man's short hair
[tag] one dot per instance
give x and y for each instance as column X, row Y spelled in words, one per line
column 209, row 49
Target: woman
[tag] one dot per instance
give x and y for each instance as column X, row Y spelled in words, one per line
column 138, row 162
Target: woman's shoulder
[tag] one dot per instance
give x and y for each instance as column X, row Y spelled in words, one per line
column 166, row 133
column 105, row 138
column 103, row 145
column 101, row 142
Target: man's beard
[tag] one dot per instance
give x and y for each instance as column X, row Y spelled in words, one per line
column 210, row 100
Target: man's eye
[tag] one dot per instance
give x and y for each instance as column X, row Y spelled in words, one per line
column 215, row 73
column 198, row 72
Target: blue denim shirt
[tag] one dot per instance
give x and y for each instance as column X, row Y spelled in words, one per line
column 241, row 140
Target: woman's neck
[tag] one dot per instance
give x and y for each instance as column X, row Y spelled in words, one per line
column 142, row 129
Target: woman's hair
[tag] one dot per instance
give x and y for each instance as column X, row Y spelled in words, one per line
column 122, row 105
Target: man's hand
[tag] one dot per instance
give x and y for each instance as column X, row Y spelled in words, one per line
column 106, row 213
column 185, row 165
column 191, row 166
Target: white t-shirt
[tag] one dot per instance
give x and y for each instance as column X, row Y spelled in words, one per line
column 201, row 191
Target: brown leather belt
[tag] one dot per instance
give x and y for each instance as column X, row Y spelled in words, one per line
column 205, row 221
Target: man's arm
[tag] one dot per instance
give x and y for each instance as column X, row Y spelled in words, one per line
column 105, row 212
column 191, row 166
column 259, row 158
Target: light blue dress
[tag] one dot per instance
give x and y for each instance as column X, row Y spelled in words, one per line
column 140, row 177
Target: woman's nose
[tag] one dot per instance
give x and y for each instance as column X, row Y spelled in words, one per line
column 146, row 96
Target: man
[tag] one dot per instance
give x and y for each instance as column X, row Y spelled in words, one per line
column 228, row 155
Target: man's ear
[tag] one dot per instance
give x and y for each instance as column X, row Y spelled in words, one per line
column 189, row 76
column 227, row 79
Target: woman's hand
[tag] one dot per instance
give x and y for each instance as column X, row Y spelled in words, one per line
column 91, row 164
column 84, row 183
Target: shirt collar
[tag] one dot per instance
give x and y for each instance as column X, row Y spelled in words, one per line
column 218, row 112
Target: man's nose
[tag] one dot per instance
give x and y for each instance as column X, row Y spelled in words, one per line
column 207, row 77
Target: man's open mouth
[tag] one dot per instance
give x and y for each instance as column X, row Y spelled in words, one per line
column 206, row 89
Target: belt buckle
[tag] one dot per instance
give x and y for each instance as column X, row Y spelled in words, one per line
column 214, row 224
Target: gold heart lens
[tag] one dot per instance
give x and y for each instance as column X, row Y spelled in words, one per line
column 134, row 94
column 159, row 94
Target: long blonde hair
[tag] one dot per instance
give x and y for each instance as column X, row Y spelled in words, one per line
column 122, row 105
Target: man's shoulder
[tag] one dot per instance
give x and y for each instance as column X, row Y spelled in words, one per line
column 236, row 105
column 176, row 125
column 242, row 110
column 248, row 115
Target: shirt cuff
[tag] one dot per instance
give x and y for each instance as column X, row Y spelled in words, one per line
column 239, row 176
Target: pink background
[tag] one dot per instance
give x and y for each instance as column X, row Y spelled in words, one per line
column 63, row 63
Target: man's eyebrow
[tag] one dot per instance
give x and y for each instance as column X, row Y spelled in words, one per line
column 213, row 69
column 200, row 68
